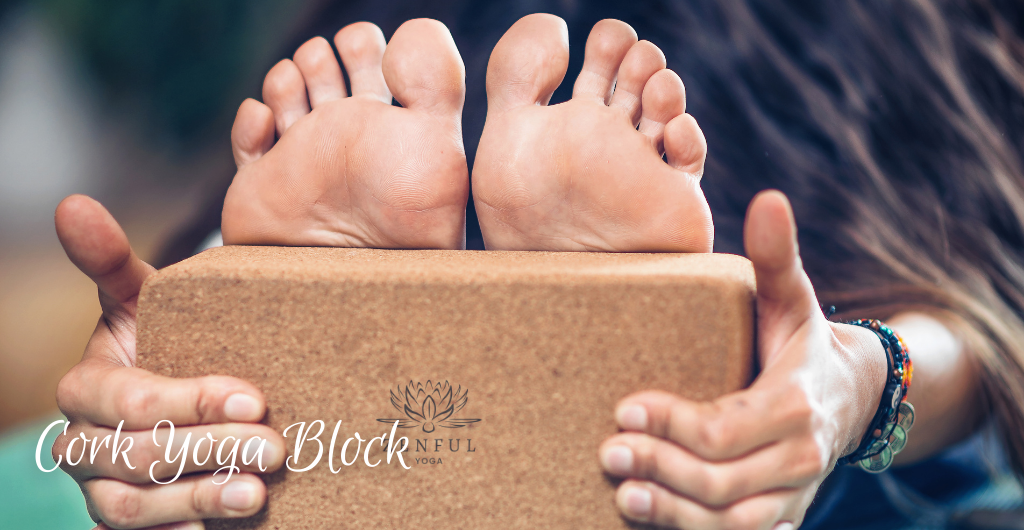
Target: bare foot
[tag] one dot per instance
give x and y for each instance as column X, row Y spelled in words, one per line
column 580, row 175
column 355, row 171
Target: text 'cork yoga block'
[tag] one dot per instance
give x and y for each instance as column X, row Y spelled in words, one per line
column 504, row 369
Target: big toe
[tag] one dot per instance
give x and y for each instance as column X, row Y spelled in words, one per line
column 423, row 68
column 528, row 63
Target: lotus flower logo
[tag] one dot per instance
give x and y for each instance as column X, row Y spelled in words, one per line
column 429, row 406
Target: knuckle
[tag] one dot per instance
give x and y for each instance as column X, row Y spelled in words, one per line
column 207, row 398
column 90, row 506
column 147, row 453
column 716, row 436
column 60, row 446
column 136, row 404
column 645, row 463
column 801, row 413
column 118, row 505
column 812, row 461
column 716, row 489
column 67, row 391
column 201, row 504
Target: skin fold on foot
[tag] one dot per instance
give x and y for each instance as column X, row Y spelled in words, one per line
column 318, row 167
column 589, row 174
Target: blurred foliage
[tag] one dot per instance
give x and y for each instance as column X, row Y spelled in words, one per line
column 184, row 65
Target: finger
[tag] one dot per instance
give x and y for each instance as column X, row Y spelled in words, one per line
column 120, row 505
column 186, row 525
column 647, row 502
column 785, row 296
column 321, row 71
column 791, row 463
column 726, row 428
column 252, row 134
column 89, row 452
column 96, row 244
column 99, row 393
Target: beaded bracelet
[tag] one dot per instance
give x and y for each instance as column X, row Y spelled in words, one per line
column 887, row 434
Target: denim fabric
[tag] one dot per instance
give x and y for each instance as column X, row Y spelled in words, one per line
column 934, row 494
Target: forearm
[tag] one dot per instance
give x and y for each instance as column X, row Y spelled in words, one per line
column 946, row 386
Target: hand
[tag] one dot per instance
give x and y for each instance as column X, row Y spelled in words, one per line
column 754, row 458
column 105, row 388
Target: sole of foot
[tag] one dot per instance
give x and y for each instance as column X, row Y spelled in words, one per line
column 589, row 174
column 318, row 167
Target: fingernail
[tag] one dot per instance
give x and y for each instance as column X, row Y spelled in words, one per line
column 240, row 496
column 632, row 417
column 187, row 525
column 272, row 455
column 617, row 460
column 243, row 407
column 784, row 526
column 637, row 502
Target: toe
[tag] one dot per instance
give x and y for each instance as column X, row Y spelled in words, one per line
column 252, row 135
column 528, row 63
column 607, row 45
column 685, row 145
column 284, row 91
column 642, row 61
column 424, row 70
column 361, row 46
column 664, row 98
column 320, row 71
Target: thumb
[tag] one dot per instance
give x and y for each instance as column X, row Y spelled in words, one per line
column 97, row 245
column 785, row 296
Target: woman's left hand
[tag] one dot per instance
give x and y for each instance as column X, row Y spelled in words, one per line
column 754, row 458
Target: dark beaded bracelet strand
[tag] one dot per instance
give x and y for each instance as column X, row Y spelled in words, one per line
column 887, row 433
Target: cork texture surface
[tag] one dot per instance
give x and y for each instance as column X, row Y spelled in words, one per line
column 536, row 347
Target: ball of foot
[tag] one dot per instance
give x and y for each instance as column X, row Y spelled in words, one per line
column 318, row 167
column 588, row 174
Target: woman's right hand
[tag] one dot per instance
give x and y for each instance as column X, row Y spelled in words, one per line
column 106, row 388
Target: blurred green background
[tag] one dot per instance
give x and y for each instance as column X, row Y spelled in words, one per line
column 130, row 102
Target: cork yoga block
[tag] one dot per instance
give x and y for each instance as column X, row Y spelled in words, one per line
column 504, row 369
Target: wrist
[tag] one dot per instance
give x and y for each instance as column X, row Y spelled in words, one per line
column 863, row 370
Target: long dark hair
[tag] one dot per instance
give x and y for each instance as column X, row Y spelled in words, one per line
column 896, row 129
